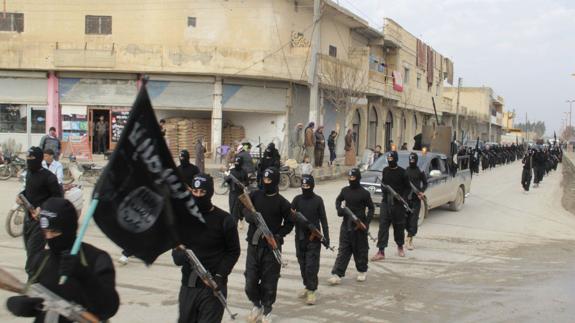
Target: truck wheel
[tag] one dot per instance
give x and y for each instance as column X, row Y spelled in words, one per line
column 457, row 204
column 422, row 213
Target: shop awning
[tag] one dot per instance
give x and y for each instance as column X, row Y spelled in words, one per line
column 83, row 91
column 23, row 90
column 181, row 95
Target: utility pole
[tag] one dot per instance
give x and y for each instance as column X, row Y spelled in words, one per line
column 570, row 110
column 312, row 73
column 526, row 127
column 459, row 81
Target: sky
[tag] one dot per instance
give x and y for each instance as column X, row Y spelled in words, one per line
column 523, row 49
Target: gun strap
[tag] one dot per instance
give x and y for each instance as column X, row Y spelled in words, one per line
column 256, row 237
column 38, row 272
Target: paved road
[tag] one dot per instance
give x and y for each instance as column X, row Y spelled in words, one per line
column 506, row 257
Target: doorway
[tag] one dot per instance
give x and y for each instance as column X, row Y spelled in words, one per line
column 388, row 128
column 355, row 129
column 372, row 132
column 99, row 130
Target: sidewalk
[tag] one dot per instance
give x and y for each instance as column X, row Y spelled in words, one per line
column 320, row 174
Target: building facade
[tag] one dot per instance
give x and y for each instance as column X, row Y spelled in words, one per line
column 230, row 63
column 480, row 113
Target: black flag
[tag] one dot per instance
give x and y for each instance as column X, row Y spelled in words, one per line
column 143, row 202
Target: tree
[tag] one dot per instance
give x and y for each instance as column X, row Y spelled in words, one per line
column 568, row 133
column 344, row 82
column 537, row 127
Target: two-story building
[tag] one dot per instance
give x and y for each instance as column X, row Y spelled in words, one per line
column 480, row 113
column 218, row 63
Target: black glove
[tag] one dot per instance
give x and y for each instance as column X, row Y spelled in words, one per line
column 279, row 239
column 179, row 256
column 71, row 266
column 220, row 282
column 24, row 306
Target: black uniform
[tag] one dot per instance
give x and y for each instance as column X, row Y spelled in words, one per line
column 271, row 158
column 41, row 184
column 187, row 169
column 392, row 211
column 262, row 269
column 91, row 275
column 351, row 241
column 419, row 180
column 526, row 174
column 217, row 246
column 247, row 163
column 539, row 166
column 235, row 190
column 308, row 251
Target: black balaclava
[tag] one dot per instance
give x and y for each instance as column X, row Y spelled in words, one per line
column 184, row 158
column 273, row 174
column 238, row 163
column 307, row 192
column 60, row 215
column 354, row 172
column 34, row 164
column 413, row 160
column 392, row 159
column 204, row 182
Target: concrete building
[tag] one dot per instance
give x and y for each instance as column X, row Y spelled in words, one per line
column 243, row 63
column 400, row 97
column 480, row 113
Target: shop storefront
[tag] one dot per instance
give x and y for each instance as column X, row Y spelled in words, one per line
column 23, row 101
column 94, row 111
column 258, row 107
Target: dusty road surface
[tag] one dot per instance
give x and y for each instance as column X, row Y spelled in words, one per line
column 506, row 257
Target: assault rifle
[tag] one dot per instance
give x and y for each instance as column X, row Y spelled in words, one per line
column 52, row 304
column 315, row 233
column 397, row 197
column 418, row 192
column 359, row 225
column 260, row 222
column 27, row 203
column 208, row 279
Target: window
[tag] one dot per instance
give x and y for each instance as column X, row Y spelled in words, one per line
column 98, row 25
column 332, row 51
column 13, row 118
column 12, row 22
column 419, row 80
column 443, row 166
column 406, row 76
column 38, row 120
column 192, row 22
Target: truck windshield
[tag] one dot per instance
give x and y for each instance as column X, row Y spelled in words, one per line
column 381, row 162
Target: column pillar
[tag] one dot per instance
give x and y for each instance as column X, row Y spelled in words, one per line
column 53, row 117
column 217, row 117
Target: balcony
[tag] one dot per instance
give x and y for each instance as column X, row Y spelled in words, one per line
column 392, row 34
column 382, row 85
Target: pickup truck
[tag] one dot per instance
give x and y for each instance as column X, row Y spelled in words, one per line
column 444, row 186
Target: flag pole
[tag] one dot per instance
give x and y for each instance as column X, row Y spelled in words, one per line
column 82, row 232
